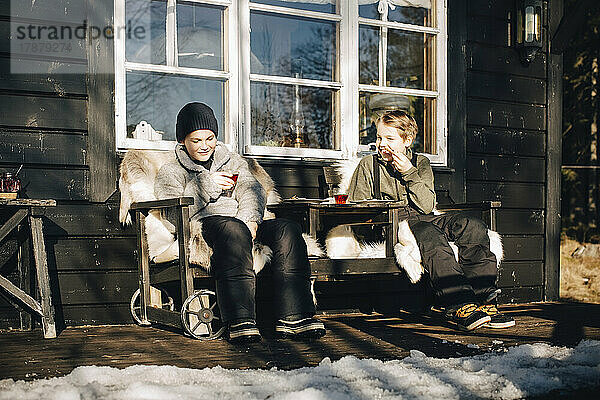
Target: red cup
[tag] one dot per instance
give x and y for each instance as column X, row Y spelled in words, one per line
column 340, row 198
column 229, row 192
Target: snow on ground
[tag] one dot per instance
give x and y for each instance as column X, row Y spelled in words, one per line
column 512, row 373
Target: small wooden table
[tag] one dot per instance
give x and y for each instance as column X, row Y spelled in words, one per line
column 31, row 210
column 318, row 216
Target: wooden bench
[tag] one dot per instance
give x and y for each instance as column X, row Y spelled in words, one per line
column 197, row 317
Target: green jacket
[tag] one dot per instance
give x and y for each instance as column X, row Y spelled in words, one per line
column 413, row 188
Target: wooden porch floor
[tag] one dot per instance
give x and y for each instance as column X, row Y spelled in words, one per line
column 26, row 355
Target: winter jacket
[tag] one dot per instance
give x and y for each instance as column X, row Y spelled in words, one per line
column 184, row 177
column 412, row 188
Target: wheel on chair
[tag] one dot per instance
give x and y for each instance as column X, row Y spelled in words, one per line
column 135, row 307
column 198, row 316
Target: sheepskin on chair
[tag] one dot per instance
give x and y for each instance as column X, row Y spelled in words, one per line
column 136, row 182
column 341, row 242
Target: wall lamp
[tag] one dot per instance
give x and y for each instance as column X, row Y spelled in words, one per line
column 529, row 29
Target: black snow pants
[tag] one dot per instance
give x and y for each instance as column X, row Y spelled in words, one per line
column 231, row 266
column 470, row 280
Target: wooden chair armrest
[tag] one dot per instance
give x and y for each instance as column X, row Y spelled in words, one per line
column 483, row 205
column 166, row 203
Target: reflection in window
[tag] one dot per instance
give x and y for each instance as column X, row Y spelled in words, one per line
column 275, row 108
column 413, row 15
column 157, row 98
column 324, row 6
column 373, row 105
column 146, row 40
column 407, row 59
column 199, row 37
column 286, row 46
column 368, row 52
column 414, row 12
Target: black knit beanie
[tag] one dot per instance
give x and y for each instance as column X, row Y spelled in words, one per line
column 194, row 116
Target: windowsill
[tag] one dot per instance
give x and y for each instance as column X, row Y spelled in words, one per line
column 291, row 160
column 443, row 169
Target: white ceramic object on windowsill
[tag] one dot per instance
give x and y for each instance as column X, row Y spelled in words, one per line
column 144, row 130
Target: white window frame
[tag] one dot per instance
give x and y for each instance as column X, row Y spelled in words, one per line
column 247, row 77
column 229, row 76
column 441, row 92
column 237, row 77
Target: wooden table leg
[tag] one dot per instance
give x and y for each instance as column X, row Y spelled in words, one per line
column 143, row 266
column 313, row 221
column 43, row 281
column 392, row 232
column 24, row 267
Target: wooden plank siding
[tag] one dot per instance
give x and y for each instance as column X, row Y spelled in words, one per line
column 507, row 123
column 44, row 127
column 53, row 11
column 497, row 142
column 554, row 161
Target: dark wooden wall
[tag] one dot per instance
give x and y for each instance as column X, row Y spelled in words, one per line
column 506, row 141
column 498, row 136
column 44, row 126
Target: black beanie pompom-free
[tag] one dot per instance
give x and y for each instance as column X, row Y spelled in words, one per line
column 195, row 116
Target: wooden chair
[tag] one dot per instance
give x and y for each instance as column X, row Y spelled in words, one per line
column 198, row 315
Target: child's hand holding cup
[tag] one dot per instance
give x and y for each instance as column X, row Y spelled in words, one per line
column 234, row 178
column 225, row 180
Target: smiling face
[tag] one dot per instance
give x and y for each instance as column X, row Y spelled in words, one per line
column 389, row 141
column 200, row 144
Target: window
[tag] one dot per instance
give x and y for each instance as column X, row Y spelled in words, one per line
column 287, row 78
column 293, row 84
column 399, row 44
column 181, row 53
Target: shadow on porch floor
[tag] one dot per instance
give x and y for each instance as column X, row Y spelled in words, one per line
column 25, row 355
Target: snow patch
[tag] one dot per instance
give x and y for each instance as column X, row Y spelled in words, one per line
column 521, row 371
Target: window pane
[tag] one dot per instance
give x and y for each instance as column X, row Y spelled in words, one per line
column 414, row 12
column 274, row 108
column 417, row 14
column 368, row 50
column 410, row 60
column 286, row 46
column 157, row 98
column 324, row 6
column 199, row 36
column 368, row 9
column 146, row 30
column 373, row 105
